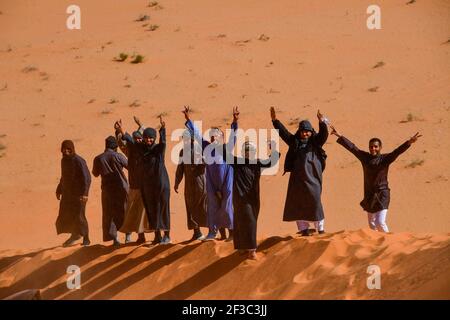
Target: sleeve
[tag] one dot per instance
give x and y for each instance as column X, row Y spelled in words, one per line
column 390, row 157
column 271, row 161
column 179, row 174
column 283, row 132
column 347, row 144
column 59, row 187
column 86, row 178
column 196, row 133
column 95, row 169
column 322, row 135
column 122, row 143
column 123, row 161
column 162, row 140
column 231, row 139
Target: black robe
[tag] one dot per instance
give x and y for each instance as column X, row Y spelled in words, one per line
column 75, row 182
column 376, row 189
column 155, row 185
column 194, row 190
column 246, row 200
column 110, row 166
column 303, row 199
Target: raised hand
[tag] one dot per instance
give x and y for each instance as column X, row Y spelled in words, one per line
column 118, row 126
column 334, row 131
column 235, row 114
column 414, row 138
column 187, row 113
column 138, row 122
column 161, row 121
column 320, row 116
column 273, row 115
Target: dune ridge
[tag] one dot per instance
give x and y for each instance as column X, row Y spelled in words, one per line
column 330, row 266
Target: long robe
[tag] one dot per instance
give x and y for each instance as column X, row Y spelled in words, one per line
column 194, row 189
column 377, row 194
column 135, row 216
column 109, row 165
column 155, row 185
column 219, row 179
column 303, row 199
column 246, row 200
column 75, row 182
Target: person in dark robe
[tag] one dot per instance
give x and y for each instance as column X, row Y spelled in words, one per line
column 155, row 183
column 109, row 165
column 73, row 191
column 305, row 160
column 135, row 216
column 192, row 168
column 219, row 178
column 246, row 196
column 375, row 168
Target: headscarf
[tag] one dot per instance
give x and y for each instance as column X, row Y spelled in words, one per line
column 150, row 133
column 68, row 144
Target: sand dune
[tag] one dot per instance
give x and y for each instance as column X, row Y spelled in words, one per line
column 332, row 266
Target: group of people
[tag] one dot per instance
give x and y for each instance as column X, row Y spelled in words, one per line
column 221, row 195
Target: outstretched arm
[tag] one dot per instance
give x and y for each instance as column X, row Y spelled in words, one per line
column 283, row 132
column 391, row 157
column 347, row 144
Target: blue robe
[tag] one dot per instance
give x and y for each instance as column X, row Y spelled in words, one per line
column 219, row 179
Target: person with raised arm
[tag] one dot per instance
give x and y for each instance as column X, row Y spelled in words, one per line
column 135, row 217
column 305, row 160
column 375, row 168
column 219, row 177
column 155, row 186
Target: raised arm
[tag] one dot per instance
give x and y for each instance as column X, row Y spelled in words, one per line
column 391, row 157
column 234, row 126
column 283, row 132
column 193, row 128
column 273, row 158
column 322, row 136
column 347, row 144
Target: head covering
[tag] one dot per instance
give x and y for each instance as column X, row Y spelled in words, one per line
column 215, row 132
column 137, row 135
column 305, row 125
column 111, row 143
column 68, row 144
column 150, row 133
column 187, row 135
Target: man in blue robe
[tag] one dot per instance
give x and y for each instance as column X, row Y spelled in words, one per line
column 219, row 177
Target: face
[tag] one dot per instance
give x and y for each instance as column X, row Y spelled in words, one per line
column 149, row 140
column 138, row 139
column 67, row 152
column 305, row 134
column 374, row 148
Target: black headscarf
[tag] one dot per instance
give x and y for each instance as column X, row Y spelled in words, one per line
column 150, row 133
column 68, row 144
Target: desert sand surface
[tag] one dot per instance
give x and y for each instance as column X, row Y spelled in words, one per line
column 332, row 266
column 298, row 56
